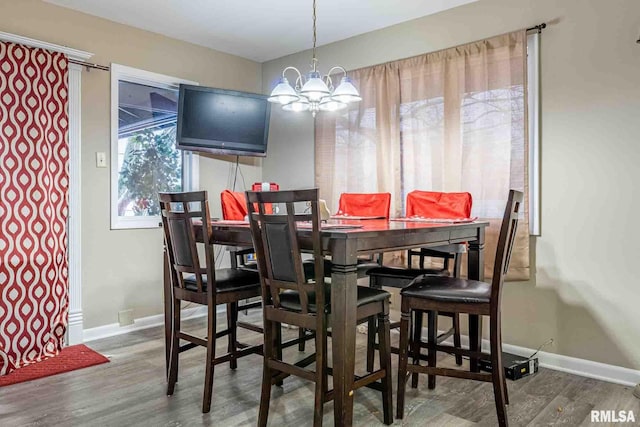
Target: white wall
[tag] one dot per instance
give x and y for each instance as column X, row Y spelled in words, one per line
column 586, row 292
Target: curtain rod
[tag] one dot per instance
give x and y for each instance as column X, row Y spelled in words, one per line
column 89, row 65
column 538, row 28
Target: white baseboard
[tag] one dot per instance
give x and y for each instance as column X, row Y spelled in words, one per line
column 576, row 366
column 142, row 323
column 74, row 328
column 558, row 362
column 572, row 365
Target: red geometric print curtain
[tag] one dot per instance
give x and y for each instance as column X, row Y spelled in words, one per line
column 34, row 184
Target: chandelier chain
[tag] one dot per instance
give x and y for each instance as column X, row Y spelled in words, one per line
column 314, row 34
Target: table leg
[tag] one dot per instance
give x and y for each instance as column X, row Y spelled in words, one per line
column 475, row 259
column 475, row 270
column 343, row 312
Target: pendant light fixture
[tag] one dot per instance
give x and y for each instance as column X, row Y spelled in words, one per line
column 314, row 92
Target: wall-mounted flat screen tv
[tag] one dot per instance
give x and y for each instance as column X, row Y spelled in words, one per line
column 222, row 121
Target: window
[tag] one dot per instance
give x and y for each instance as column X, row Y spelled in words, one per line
column 448, row 121
column 452, row 120
column 144, row 157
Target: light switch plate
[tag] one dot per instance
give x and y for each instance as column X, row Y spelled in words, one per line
column 101, row 159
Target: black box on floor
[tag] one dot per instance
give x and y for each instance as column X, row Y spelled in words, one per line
column 515, row 367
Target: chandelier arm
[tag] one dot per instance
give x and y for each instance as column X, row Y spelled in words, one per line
column 337, row 67
column 328, row 79
column 299, row 79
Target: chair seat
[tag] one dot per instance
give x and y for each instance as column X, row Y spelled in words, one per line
column 365, row 266
column 448, row 289
column 291, row 299
column 227, row 280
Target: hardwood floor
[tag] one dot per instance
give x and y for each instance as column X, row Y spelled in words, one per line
column 131, row 391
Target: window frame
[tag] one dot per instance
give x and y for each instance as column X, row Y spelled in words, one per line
column 190, row 160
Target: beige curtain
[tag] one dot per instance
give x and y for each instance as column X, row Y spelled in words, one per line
column 453, row 120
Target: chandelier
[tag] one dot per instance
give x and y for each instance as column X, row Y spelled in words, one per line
column 314, row 92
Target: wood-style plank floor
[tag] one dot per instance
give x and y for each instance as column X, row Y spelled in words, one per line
column 130, row 391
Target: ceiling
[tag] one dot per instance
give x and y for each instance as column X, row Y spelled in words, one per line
column 260, row 30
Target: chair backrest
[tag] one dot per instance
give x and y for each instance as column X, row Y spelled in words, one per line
column 505, row 245
column 434, row 204
column 180, row 212
column 364, row 204
column 276, row 240
column 234, row 205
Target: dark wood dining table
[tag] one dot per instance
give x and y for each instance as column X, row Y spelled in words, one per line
column 344, row 245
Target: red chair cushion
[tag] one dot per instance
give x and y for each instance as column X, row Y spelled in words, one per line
column 369, row 204
column 433, row 204
column 234, row 205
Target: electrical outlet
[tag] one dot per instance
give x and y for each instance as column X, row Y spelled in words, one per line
column 101, row 159
column 125, row 317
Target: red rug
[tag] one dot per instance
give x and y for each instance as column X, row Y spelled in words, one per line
column 70, row 358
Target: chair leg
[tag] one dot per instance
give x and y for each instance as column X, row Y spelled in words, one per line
column 456, row 337
column 415, row 344
column 278, row 344
column 301, row 336
column 384, row 337
column 232, row 324
column 475, row 340
column 457, row 264
column 270, row 335
column 403, row 358
column 506, row 391
column 175, row 348
column 499, row 384
column 321, row 375
column 433, row 341
column 211, row 355
column 371, row 343
column 371, row 330
column 504, row 377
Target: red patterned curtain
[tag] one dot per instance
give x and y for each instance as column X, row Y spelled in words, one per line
column 34, row 183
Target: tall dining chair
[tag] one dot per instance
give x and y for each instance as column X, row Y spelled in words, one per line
column 363, row 205
column 184, row 216
column 234, row 208
column 426, row 204
column 435, row 204
column 433, row 294
column 289, row 297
